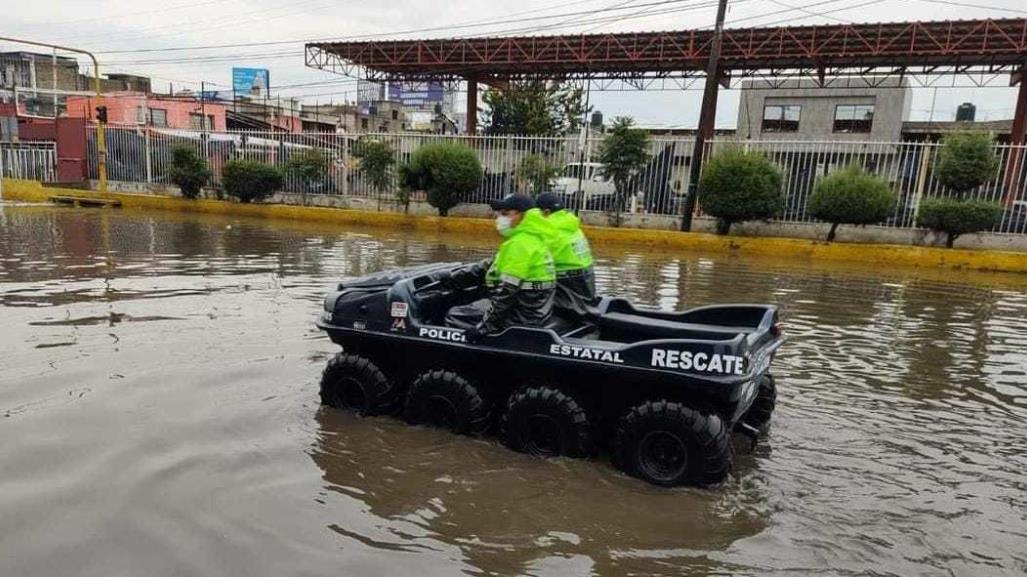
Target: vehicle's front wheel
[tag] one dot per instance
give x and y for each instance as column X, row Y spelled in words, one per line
column 544, row 421
column 446, row 400
column 354, row 382
column 758, row 415
column 669, row 444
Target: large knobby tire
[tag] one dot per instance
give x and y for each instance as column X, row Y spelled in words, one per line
column 353, row 382
column 669, row 444
column 548, row 422
column 758, row 415
column 446, row 400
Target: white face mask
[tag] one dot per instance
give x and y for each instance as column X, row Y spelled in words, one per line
column 504, row 225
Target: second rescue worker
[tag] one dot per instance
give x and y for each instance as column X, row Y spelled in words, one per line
column 572, row 256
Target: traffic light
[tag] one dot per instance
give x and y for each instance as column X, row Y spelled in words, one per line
column 101, row 113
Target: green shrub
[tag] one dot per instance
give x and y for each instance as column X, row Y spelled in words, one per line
column 377, row 159
column 958, row 217
column 248, row 180
column 737, row 186
column 447, row 172
column 966, row 160
column 536, row 173
column 851, row 196
column 189, row 171
column 309, row 165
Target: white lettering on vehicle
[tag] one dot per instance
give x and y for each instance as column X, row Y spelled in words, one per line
column 586, row 353
column 442, row 334
column 701, row 362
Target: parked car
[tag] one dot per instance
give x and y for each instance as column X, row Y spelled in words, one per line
column 585, row 184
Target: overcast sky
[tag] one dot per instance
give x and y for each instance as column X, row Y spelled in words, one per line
column 111, row 27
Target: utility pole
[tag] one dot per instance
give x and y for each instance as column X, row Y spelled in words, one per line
column 707, row 117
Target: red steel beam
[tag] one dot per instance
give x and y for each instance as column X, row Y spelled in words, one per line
column 985, row 42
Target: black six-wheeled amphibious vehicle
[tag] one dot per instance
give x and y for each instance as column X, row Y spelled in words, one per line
column 660, row 391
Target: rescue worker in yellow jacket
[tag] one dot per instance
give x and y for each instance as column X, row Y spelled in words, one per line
column 572, row 256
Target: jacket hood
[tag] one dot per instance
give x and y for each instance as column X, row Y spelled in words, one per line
column 533, row 223
column 564, row 220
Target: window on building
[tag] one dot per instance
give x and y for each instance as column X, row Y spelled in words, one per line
column 395, row 115
column 781, row 118
column 157, row 117
column 196, row 121
column 363, row 123
column 141, row 114
column 858, row 118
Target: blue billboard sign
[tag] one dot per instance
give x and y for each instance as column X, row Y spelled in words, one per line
column 251, row 81
column 417, row 94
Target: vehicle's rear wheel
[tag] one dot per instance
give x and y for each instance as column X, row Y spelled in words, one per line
column 670, row 444
column 446, row 400
column 758, row 415
column 544, row 421
column 354, row 382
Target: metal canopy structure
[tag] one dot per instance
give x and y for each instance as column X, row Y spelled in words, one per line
column 990, row 48
column 944, row 47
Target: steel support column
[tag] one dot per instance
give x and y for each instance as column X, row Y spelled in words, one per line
column 1015, row 160
column 472, row 106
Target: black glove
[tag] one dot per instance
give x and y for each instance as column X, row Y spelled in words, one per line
column 473, row 334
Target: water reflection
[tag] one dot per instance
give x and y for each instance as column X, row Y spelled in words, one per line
column 160, row 364
column 514, row 514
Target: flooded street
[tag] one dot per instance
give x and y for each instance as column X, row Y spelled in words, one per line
column 159, row 416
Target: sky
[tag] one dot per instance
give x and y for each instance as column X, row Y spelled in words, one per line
column 170, row 32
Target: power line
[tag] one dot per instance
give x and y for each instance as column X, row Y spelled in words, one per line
column 478, row 23
column 981, row 6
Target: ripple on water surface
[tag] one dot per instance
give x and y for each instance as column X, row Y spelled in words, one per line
column 159, row 414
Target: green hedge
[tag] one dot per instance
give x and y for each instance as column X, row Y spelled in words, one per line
column 737, row 186
column 189, row 171
column 248, row 180
column 958, row 217
column 851, row 196
column 447, row 172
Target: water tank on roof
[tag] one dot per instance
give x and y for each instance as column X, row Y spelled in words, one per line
column 966, row 112
column 597, row 120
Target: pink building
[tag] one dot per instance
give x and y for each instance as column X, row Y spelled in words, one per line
column 179, row 112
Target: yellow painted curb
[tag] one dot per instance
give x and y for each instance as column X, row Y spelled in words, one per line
column 884, row 254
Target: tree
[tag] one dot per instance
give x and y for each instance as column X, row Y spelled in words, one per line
column 851, row 196
column 377, row 159
column 248, row 180
column 956, row 217
column 308, row 165
column 737, row 185
column 533, row 108
column 966, row 160
column 623, row 153
column 446, row 171
column 537, row 173
column 189, row 171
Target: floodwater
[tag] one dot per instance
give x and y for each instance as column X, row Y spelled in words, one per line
column 159, row 416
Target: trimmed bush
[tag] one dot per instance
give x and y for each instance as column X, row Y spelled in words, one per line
column 377, row 159
column 737, row 186
column 536, row 173
column 249, row 180
column 966, row 160
column 189, row 171
column 958, row 217
column 447, row 172
column 309, row 165
column 851, row 196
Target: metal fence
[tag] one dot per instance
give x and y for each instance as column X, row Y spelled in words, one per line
column 142, row 154
column 28, row 161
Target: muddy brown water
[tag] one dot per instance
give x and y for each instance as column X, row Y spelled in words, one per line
column 159, row 416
